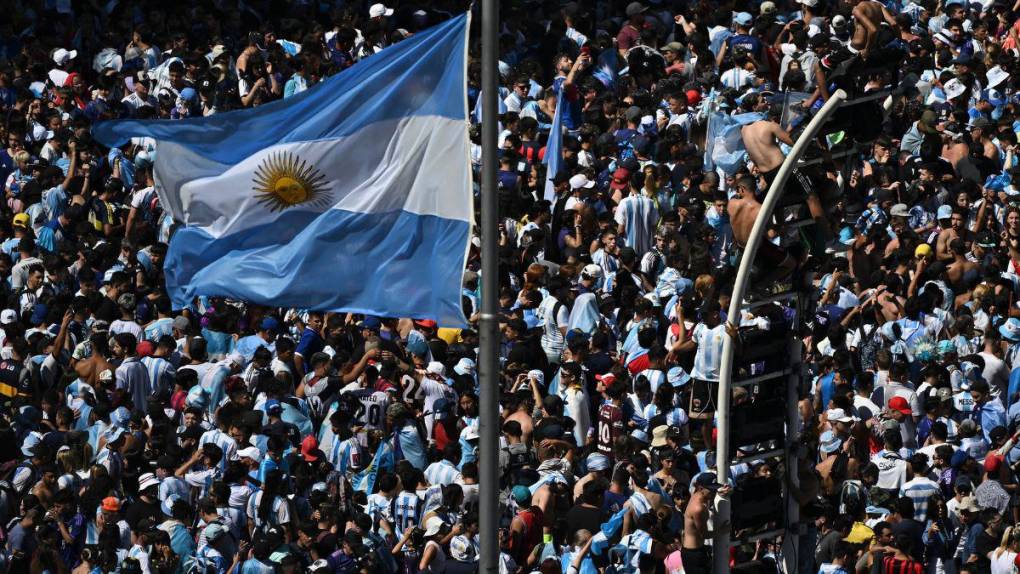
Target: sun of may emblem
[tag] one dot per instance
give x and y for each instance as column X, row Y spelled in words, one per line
column 283, row 180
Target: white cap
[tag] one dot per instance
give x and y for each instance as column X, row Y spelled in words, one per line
column 147, row 480
column 377, row 10
column 592, row 271
column 838, row 415
column 62, row 56
column 469, row 433
column 250, row 452
column 464, row 366
column 580, row 180
column 954, row 88
column 809, row 3
column 433, row 525
column 900, row 210
column 8, row 316
column 996, row 76
column 436, row 368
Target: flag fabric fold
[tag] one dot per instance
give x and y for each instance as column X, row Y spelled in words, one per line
column 553, row 158
column 354, row 195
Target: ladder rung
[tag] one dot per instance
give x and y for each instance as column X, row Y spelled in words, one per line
column 758, row 456
column 872, row 96
column 798, row 224
column 755, row 303
column 758, row 536
column 787, row 289
column 760, row 378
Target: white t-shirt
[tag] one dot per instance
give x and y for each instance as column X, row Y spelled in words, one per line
column 553, row 341
column 892, row 470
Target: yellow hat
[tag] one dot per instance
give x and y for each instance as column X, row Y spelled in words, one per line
column 859, row 534
column 923, row 250
column 21, row 220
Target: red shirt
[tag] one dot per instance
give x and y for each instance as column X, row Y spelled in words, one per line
column 628, row 37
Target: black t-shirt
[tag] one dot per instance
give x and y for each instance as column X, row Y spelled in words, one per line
column 140, row 509
column 585, row 517
column 107, row 310
column 914, row 530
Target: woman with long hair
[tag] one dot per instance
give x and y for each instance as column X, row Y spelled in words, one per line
column 269, row 507
column 1003, row 557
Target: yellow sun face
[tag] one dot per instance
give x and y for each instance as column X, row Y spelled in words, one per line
column 283, row 180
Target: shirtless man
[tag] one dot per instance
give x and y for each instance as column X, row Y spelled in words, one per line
column 762, row 140
column 868, row 15
column 959, row 270
column 743, row 210
column 694, row 553
column 957, row 230
column 91, row 369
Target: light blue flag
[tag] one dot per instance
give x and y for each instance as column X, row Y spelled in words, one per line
column 476, row 113
column 553, row 158
column 728, row 151
column 383, row 460
column 354, row 195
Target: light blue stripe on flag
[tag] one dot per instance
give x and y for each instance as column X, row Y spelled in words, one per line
column 354, row 195
column 554, row 150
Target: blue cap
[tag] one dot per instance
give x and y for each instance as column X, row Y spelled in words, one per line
column 678, row 377
column 417, row 347
column 273, row 405
column 944, row 212
column 39, row 313
column 371, row 322
column 959, row 457
column 829, row 442
column 743, row 18
column 189, row 94
column 846, row 235
column 522, row 494
column 1010, row 330
column 120, row 417
column 269, row 324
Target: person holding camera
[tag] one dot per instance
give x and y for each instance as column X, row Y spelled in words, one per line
column 423, row 549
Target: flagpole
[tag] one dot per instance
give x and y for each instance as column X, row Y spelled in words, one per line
column 488, row 324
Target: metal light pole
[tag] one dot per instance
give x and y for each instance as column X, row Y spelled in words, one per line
column 721, row 538
column 488, row 323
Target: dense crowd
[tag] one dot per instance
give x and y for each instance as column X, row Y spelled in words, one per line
column 232, row 437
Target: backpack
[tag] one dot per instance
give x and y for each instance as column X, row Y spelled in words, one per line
column 32, row 478
column 152, row 209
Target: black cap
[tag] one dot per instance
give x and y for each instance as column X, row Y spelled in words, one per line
column 707, row 480
column 194, row 432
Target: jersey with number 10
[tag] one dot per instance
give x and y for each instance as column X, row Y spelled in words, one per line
column 610, row 427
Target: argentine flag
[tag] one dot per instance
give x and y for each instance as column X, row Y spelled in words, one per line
column 554, row 150
column 354, row 195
